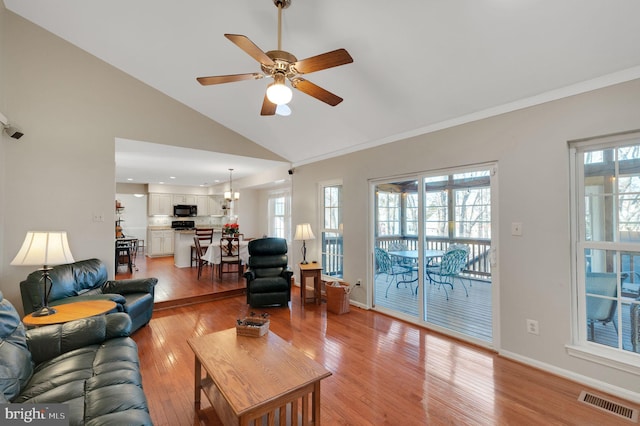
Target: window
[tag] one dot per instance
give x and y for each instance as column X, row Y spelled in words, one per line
column 606, row 243
column 280, row 214
column 411, row 211
column 332, row 244
column 389, row 210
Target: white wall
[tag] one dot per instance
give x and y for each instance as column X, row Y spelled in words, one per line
column 530, row 147
column 134, row 215
column 71, row 107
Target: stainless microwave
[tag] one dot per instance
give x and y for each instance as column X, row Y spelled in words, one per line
column 185, row 210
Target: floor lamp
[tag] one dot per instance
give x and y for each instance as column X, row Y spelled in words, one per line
column 47, row 249
column 304, row 232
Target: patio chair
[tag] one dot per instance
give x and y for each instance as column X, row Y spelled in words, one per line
column 635, row 326
column 384, row 265
column 601, row 309
column 450, row 268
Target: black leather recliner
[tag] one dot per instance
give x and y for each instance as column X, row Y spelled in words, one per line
column 90, row 365
column 87, row 280
column 268, row 275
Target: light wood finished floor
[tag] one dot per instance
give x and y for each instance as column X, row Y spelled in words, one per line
column 385, row 371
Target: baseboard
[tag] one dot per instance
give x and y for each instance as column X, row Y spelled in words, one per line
column 578, row 378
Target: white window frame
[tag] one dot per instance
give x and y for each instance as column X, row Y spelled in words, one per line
column 275, row 195
column 321, row 226
column 580, row 346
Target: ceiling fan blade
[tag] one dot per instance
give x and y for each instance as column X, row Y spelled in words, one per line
column 206, row 81
column 268, row 107
column 317, row 92
column 248, row 46
column 323, row 61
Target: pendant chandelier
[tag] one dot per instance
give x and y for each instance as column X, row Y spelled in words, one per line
column 230, row 195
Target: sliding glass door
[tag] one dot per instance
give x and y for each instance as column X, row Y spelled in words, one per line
column 431, row 250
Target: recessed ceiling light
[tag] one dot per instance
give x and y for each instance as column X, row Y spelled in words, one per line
column 161, row 183
column 129, row 179
column 172, row 177
column 138, row 195
column 279, row 181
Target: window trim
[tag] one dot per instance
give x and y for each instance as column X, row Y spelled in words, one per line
column 579, row 345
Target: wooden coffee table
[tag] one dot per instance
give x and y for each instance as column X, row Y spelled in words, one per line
column 251, row 377
column 71, row 311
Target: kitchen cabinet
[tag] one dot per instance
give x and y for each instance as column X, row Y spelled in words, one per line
column 160, row 204
column 184, row 199
column 215, row 205
column 160, row 242
column 202, row 201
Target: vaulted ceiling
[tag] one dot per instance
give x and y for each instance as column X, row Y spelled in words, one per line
column 419, row 65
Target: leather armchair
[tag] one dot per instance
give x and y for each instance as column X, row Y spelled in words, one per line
column 268, row 274
column 87, row 280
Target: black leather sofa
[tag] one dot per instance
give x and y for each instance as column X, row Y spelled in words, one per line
column 268, row 274
column 90, row 365
column 87, row 280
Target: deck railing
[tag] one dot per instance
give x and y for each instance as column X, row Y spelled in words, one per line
column 478, row 261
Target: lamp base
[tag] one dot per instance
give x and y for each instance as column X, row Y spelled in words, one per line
column 304, row 262
column 44, row 311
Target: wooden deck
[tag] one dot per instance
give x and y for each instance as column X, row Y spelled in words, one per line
column 470, row 315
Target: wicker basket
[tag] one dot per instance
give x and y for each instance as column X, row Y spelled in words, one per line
column 252, row 327
column 337, row 298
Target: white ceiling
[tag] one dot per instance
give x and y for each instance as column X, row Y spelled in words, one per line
column 419, row 65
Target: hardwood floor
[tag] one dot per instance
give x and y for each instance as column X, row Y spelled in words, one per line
column 385, row 371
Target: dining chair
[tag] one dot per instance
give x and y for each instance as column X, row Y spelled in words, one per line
column 205, row 235
column 200, row 262
column 384, row 265
column 450, row 267
column 230, row 255
column 123, row 254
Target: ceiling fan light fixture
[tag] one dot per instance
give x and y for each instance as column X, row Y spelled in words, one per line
column 279, row 93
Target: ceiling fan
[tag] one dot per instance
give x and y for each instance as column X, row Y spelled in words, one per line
column 281, row 66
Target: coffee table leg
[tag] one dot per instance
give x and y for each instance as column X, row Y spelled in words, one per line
column 315, row 416
column 198, row 381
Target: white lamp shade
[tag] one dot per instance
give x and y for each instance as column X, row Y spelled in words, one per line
column 304, row 232
column 229, row 196
column 44, row 248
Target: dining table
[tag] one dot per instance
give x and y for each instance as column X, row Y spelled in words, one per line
column 412, row 256
column 213, row 255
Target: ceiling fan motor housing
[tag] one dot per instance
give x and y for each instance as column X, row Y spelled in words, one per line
column 283, row 63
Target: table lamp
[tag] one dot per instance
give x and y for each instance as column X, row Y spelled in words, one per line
column 47, row 249
column 304, row 232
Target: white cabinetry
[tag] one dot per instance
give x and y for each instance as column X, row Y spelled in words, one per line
column 160, row 204
column 184, row 199
column 160, row 242
column 202, row 201
column 215, row 205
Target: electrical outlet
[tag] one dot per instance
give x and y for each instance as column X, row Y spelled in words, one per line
column 532, row 327
column 359, row 281
column 98, row 217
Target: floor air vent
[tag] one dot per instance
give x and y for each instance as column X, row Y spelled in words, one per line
column 609, row 406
